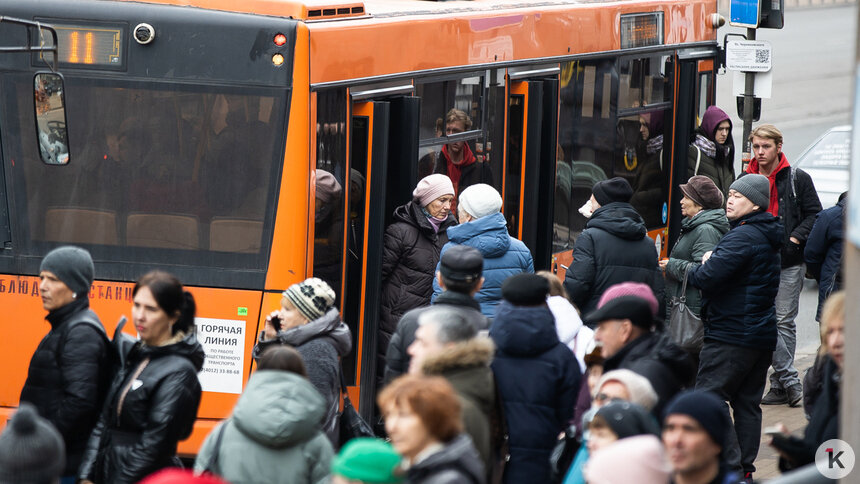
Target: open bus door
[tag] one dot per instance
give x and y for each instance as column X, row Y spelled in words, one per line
column 383, row 139
column 531, row 159
column 695, row 84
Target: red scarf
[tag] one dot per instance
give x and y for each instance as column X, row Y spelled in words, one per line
column 753, row 167
column 455, row 169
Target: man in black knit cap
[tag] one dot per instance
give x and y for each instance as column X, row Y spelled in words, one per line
column 613, row 248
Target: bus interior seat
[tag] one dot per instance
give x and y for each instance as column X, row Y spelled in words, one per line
column 235, row 235
column 81, row 226
column 164, row 231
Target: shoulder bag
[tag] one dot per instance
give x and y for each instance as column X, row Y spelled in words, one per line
column 685, row 328
column 352, row 425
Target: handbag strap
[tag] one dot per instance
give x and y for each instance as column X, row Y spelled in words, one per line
column 212, row 467
column 683, row 297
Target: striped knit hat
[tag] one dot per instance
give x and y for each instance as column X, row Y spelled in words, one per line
column 312, row 297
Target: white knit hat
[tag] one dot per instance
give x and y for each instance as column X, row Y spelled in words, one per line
column 312, row 297
column 480, row 200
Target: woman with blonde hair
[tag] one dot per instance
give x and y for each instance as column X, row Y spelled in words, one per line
column 824, row 414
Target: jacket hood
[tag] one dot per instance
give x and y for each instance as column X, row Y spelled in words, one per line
column 477, row 351
column 412, row 214
column 185, row 345
column 458, row 454
column 619, row 219
column 712, row 118
column 714, row 216
column 523, row 331
column 487, row 234
column 279, row 409
column 765, row 223
column 329, row 326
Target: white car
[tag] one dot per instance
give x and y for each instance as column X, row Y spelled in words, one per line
column 827, row 161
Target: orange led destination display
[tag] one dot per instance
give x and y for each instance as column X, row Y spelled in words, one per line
column 641, row 30
column 90, row 45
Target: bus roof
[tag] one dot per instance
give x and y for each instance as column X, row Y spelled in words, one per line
column 330, row 9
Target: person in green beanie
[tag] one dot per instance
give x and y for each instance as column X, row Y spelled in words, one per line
column 367, row 461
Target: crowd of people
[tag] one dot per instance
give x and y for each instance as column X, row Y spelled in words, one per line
column 488, row 372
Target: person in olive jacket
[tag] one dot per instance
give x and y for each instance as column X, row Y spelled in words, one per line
column 704, row 224
column 273, row 434
column 712, row 152
column 411, row 251
column 613, row 248
column 739, row 282
column 69, row 372
column 152, row 403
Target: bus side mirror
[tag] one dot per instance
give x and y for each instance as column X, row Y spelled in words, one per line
column 50, row 109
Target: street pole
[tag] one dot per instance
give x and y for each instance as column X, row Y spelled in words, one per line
column 749, row 92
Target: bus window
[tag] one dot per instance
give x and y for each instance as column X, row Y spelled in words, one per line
column 586, row 136
column 160, row 166
column 465, row 100
column 330, row 196
column 643, row 81
column 650, row 184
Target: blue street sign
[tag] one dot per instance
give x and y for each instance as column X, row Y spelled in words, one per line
column 744, row 13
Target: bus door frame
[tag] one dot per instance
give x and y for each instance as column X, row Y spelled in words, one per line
column 392, row 153
column 687, row 77
column 539, row 90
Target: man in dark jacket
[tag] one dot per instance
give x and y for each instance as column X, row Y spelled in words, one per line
column 793, row 199
column 459, row 276
column 823, row 252
column 447, row 345
column 537, row 376
column 739, row 281
column 625, row 324
column 68, row 375
column 613, row 248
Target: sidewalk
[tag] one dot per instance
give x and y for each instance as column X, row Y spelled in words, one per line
column 793, row 418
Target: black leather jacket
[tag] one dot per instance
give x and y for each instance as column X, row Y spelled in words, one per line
column 147, row 413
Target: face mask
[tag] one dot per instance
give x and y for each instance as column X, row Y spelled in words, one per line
column 585, row 209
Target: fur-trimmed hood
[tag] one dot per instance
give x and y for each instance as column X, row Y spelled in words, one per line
column 472, row 353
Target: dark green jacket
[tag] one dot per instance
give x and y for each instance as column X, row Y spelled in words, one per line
column 698, row 235
column 721, row 174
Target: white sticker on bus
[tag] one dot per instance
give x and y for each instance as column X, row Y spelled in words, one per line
column 223, row 341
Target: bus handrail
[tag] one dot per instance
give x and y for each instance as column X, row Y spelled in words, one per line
column 40, row 27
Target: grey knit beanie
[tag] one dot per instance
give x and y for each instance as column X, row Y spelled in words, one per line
column 72, row 265
column 755, row 187
column 31, row 449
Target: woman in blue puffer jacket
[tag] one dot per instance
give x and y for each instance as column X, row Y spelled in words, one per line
column 483, row 227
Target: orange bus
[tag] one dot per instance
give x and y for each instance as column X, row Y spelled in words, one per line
column 196, row 132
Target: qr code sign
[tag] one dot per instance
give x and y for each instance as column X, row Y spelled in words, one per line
column 762, row 56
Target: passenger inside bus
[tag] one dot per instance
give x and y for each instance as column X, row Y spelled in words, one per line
column 649, row 186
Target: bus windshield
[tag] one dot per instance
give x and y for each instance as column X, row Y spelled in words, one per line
column 198, row 162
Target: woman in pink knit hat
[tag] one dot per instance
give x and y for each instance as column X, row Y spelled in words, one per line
column 412, row 245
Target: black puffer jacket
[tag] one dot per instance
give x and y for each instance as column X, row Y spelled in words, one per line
column 397, row 359
column 612, row 249
column 68, row 376
column 148, row 412
column 456, row 463
column 740, row 281
column 409, row 261
column 657, row 358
